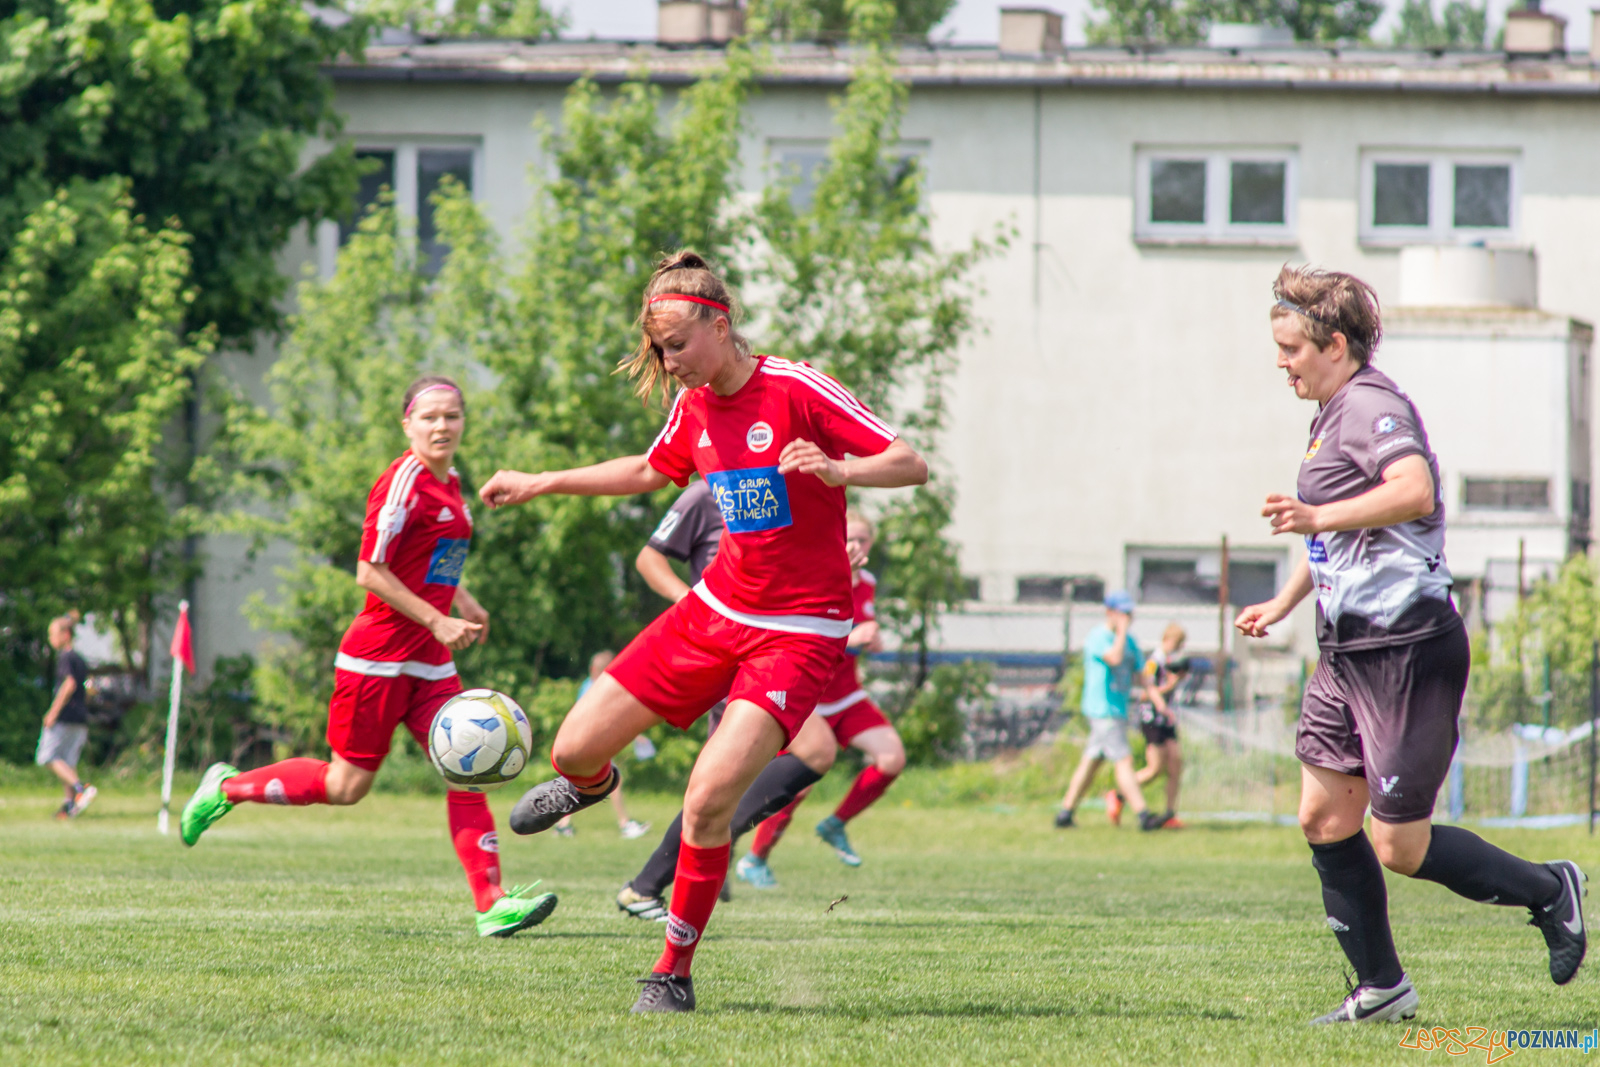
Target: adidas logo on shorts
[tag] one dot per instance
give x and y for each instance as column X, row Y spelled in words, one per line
column 779, row 697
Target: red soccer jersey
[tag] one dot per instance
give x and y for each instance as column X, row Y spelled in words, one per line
column 782, row 565
column 421, row 528
column 845, row 680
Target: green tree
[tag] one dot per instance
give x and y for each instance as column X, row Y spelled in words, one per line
column 861, row 292
column 92, row 370
column 526, row 19
column 1146, row 21
column 1554, row 626
column 1463, row 26
column 830, row 20
column 1187, row 21
column 204, row 106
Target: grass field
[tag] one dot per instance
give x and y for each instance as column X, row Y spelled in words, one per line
column 971, row 936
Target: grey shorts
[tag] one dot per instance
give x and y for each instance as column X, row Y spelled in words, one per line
column 1388, row 715
column 64, row 741
column 1108, row 739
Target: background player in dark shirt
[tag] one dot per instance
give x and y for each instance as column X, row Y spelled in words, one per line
column 691, row 532
column 1378, row 722
column 66, row 724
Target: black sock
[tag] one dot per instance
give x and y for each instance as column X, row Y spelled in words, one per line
column 778, row 783
column 1465, row 863
column 1357, row 903
column 662, row 866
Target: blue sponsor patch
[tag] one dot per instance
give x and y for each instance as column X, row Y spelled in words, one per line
column 752, row 499
column 449, row 558
column 1317, row 550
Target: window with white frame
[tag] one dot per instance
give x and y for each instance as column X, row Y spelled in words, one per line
column 413, row 171
column 1215, row 195
column 1163, row 575
column 1437, row 197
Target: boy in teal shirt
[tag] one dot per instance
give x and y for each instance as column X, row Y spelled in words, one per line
column 1111, row 662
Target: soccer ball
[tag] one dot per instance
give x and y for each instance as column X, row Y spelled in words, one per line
column 480, row 740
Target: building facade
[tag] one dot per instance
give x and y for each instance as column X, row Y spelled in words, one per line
column 1120, row 413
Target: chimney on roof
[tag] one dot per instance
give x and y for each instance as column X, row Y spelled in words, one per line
column 698, row 22
column 1030, row 31
column 1531, row 32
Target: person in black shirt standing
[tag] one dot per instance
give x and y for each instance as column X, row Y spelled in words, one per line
column 66, row 724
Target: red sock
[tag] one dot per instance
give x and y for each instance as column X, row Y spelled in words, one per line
column 770, row 832
column 586, row 781
column 297, row 781
column 868, row 786
column 701, row 872
column 477, row 845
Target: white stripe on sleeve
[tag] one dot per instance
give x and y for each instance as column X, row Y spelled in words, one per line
column 392, row 516
column 832, row 391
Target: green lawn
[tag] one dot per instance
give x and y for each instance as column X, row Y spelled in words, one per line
column 971, row 936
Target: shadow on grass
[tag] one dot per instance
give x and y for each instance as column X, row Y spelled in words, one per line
column 984, row 1011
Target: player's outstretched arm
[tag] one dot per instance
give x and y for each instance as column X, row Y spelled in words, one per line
column 1254, row 620
column 895, row 466
column 615, row 477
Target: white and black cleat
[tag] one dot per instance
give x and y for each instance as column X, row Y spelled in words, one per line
column 549, row 802
column 1371, row 1004
column 636, row 905
column 665, row 992
column 1561, row 922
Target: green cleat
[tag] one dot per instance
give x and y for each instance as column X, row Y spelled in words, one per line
column 208, row 803
column 514, row 912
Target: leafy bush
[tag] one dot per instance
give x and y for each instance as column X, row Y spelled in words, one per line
column 1559, row 621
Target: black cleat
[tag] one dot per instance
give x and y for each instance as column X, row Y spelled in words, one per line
column 1150, row 820
column 549, row 802
column 1064, row 819
column 725, row 894
column 1369, row 1004
column 665, row 992
column 1561, row 921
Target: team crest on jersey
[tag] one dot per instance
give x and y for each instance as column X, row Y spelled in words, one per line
column 752, row 499
column 1311, row 453
column 759, row 437
column 1385, row 423
column 449, row 560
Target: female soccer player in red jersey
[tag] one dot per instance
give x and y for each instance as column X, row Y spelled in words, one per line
column 854, row 720
column 766, row 625
column 394, row 663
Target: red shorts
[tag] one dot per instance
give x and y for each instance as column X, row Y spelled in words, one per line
column 366, row 708
column 691, row 657
column 855, row 719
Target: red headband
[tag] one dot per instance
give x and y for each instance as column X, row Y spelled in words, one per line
column 692, row 299
column 428, row 389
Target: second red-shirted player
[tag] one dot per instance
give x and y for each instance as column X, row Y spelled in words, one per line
column 766, row 625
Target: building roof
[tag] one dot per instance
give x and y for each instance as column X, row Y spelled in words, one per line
column 1300, row 67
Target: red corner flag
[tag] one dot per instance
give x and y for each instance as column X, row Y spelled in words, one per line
column 182, row 642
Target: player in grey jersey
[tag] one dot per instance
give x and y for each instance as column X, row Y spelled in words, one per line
column 1378, row 723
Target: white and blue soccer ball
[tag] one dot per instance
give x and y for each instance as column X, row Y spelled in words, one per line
column 480, row 740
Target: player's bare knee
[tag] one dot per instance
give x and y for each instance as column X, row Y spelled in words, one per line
column 892, row 762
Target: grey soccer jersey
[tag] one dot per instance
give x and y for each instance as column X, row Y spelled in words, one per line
column 1385, row 586
column 691, row 530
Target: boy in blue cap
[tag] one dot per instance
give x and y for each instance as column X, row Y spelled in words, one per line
column 1111, row 662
